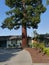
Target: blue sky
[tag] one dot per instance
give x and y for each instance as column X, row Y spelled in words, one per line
column 43, row 26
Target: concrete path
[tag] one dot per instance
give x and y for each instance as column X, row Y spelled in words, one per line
column 19, row 58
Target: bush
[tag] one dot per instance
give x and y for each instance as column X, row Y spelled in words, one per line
column 36, row 45
column 46, row 51
column 41, row 46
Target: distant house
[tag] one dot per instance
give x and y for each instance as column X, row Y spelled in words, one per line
column 12, row 41
column 43, row 38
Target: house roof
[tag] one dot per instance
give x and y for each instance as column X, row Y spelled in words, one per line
column 9, row 37
column 12, row 37
column 15, row 37
column 4, row 37
column 45, row 35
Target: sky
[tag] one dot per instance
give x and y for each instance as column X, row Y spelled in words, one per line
column 43, row 26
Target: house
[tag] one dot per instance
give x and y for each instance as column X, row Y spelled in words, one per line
column 12, row 41
column 45, row 39
column 42, row 38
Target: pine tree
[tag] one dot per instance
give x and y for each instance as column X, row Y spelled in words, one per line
column 25, row 13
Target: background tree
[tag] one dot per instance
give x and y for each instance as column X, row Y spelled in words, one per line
column 25, row 13
column 35, row 34
column 47, row 2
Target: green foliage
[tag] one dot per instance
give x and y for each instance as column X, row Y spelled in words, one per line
column 46, row 50
column 10, row 3
column 8, row 23
column 25, row 12
column 42, row 46
column 16, row 11
column 39, row 46
column 36, row 45
column 47, row 2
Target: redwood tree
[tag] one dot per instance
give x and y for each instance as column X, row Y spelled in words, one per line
column 25, row 13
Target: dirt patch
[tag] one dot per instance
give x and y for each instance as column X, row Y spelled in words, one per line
column 37, row 57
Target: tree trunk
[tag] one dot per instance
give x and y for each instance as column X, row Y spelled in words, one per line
column 24, row 36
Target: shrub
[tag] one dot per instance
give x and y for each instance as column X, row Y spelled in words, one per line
column 41, row 46
column 36, row 45
column 46, row 51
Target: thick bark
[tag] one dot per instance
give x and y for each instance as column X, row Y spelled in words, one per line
column 24, row 31
column 24, row 37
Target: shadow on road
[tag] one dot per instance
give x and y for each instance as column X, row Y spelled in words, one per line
column 6, row 54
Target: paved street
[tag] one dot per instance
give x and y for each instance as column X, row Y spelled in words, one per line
column 15, row 57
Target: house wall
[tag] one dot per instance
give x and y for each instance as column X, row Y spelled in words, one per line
column 29, row 42
column 8, row 43
column 14, row 43
column 19, row 42
column 11, row 43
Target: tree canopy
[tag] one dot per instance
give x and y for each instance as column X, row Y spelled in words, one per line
column 23, row 12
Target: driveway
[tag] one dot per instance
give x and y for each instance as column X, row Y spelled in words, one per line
column 15, row 57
